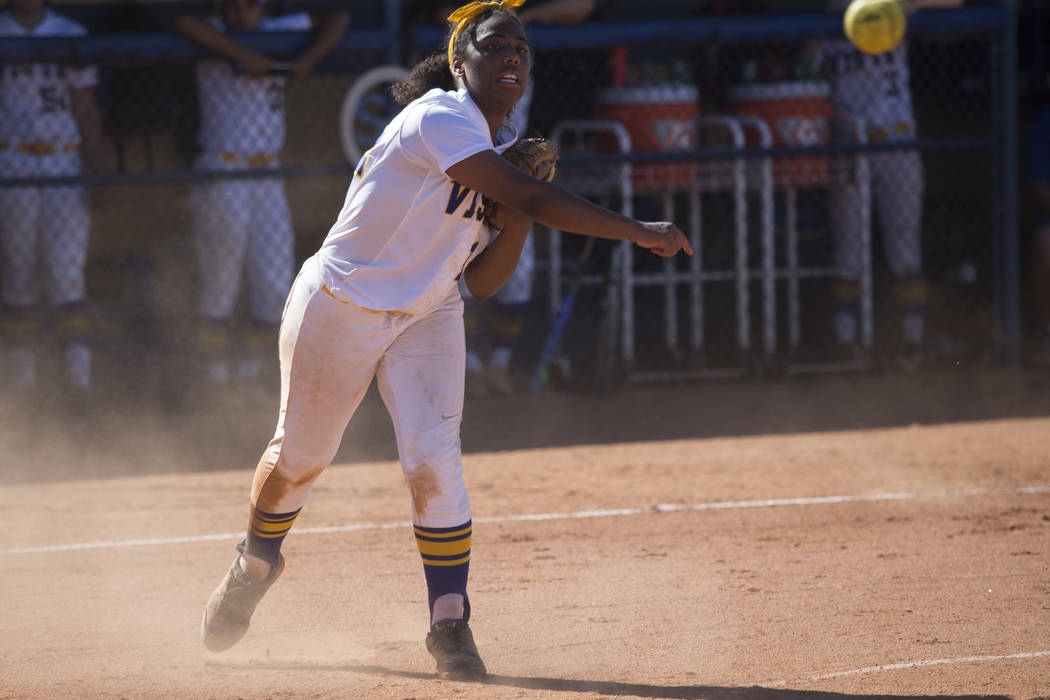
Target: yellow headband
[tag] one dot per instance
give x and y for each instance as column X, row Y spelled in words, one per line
column 463, row 15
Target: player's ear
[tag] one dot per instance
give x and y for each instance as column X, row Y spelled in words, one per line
column 457, row 67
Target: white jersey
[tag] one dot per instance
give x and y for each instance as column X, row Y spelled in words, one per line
column 35, row 102
column 239, row 114
column 407, row 230
column 874, row 88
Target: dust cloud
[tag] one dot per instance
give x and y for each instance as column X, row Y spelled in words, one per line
column 136, row 430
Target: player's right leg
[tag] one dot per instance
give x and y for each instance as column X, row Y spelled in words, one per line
column 19, row 215
column 220, row 221
column 844, row 216
column 64, row 238
column 329, row 350
column 421, row 381
column 898, row 185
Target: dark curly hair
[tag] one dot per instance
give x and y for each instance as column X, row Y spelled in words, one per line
column 433, row 71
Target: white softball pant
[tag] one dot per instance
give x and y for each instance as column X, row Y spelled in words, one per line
column 330, row 350
column 243, row 228
column 897, row 185
column 43, row 232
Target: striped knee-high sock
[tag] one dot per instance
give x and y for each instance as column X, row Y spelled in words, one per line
column 446, row 559
column 266, row 533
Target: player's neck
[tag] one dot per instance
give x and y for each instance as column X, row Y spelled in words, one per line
column 29, row 19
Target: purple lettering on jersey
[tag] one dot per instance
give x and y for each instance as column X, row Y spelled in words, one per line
column 456, row 198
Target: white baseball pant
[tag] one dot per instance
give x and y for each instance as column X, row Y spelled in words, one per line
column 43, row 232
column 242, row 226
column 330, row 350
column 897, row 184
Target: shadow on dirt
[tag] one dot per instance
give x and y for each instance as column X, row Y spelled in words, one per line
column 617, row 689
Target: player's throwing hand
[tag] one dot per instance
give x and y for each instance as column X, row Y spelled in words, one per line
column 663, row 238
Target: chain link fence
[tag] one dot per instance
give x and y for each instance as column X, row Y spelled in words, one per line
column 844, row 209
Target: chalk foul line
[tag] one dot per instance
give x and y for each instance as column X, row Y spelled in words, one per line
column 915, row 664
column 571, row 515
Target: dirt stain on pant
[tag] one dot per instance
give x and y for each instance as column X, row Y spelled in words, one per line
column 424, row 485
column 278, row 489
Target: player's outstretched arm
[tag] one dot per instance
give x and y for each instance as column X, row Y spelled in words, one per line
column 331, row 27
column 554, row 206
column 199, row 31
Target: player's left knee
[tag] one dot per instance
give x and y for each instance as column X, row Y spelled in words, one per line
column 435, row 483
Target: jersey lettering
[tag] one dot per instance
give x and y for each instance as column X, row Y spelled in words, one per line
column 839, row 64
column 457, row 197
column 53, row 99
column 472, row 208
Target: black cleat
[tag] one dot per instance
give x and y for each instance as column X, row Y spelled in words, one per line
column 229, row 609
column 451, row 643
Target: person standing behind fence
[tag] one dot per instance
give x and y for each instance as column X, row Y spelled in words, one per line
column 875, row 91
column 243, row 227
column 50, row 125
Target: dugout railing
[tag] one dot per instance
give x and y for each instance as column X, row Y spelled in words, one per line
column 141, row 269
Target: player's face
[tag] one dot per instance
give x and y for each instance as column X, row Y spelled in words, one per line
column 496, row 64
column 242, row 15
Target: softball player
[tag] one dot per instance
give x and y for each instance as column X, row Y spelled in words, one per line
column 48, row 120
column 380, row 300
column 243, row 227
column 875, row 90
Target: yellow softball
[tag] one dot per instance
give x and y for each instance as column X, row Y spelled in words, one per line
column 875, row 26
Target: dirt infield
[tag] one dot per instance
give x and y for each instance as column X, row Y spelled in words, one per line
column 834, row 538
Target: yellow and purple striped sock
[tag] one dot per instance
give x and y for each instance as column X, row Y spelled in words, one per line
column 266, row 532
column 446, row 559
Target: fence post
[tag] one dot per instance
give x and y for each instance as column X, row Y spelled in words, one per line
column 392, row 19
column 1010, row 271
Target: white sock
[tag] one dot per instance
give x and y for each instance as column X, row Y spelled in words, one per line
column 256, row 568
column 448, row 606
